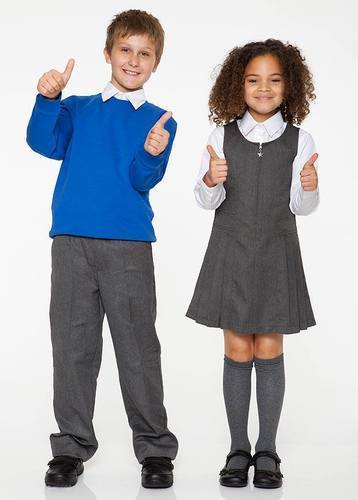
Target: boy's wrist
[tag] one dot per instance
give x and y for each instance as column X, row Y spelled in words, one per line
column 47, row 105
column 51, row 98
column 148, row 158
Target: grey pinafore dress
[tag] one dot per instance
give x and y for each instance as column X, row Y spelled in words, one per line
column 252, row 278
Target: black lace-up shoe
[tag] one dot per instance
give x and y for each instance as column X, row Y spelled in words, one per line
column 157, row 472
column 64, row 471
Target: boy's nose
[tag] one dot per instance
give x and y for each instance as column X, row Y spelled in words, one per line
column 133, row 61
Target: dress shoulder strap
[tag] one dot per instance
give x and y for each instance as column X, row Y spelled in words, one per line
column 291, row 136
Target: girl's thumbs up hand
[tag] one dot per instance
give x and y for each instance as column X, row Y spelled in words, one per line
column 158, row 137
column 309, row 178
column 52, row 83
column 217, row 169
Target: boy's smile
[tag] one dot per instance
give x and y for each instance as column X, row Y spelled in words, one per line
column 264, row 86
column 133, row 60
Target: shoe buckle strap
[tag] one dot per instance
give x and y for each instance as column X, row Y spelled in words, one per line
column 238, row 453
column 266, row 453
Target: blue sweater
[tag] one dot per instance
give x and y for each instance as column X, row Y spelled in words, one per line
column 102, row 190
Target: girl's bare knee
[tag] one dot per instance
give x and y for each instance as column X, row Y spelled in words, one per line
column 268, row 346
column 238, row 347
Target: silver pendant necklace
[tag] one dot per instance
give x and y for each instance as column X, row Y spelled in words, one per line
column 260, row 152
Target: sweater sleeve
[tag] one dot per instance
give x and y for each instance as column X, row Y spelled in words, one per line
column 51, row 126
column 147, row 170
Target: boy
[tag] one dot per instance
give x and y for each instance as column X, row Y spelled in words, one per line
column 114, row 148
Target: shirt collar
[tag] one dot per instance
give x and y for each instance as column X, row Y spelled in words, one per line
column 136, row 97
column 272, row 125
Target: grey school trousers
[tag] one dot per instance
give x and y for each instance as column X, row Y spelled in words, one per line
column 92, row 277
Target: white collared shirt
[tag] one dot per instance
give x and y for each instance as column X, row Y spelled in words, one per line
column 301, row 202
column 136, row 97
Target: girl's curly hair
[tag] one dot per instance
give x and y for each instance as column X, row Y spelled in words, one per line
column 226, row 101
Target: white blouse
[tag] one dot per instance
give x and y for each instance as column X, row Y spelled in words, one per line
column 301, row 202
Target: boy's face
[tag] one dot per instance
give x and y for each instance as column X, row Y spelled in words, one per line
column 264, row 86
column 133, row 60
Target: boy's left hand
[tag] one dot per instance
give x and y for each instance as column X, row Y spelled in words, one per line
column 309, row 178
column 158, row 138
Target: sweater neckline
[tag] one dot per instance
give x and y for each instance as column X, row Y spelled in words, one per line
column 121, row 101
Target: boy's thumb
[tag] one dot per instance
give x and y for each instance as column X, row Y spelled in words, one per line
column 163, row 119
column 68, row 70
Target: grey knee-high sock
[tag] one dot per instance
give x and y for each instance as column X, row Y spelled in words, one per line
column 270, row 390
column 237, row 393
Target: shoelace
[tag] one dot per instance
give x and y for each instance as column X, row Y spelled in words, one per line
column 63, row 460
column 157, row 461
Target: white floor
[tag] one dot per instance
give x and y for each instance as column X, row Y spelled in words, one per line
column 309, row 473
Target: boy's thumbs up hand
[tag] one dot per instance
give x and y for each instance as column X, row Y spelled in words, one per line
column 217, row 169
column 53, row 82
column 309, row 178
column 158, row 137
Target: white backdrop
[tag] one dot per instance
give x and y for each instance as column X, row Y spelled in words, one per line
column 319, row 416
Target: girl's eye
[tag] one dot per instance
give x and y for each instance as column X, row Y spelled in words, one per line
column 251, row 80
column 124, row 49
column 145, row 54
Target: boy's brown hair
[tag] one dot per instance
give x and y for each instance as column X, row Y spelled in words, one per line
column 136, row 22
column 226, row 101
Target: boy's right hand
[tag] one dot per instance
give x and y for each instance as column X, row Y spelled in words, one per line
column 53, row 82
column 217, row 169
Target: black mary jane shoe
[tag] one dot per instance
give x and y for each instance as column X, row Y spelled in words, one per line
column 63, row 471
column 157, row 472
column 267, row 478
column 235, row 478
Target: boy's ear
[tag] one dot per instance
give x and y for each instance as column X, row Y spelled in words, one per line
column 106, row 55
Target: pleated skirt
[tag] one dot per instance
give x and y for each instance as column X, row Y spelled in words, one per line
column 248, row 288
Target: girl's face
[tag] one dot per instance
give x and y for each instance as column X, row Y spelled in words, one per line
column 264, row 86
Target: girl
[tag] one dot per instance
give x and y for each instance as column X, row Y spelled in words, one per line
column 258, row 172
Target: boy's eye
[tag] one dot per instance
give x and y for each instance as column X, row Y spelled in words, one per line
column 145, row 54
column 124, row 49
